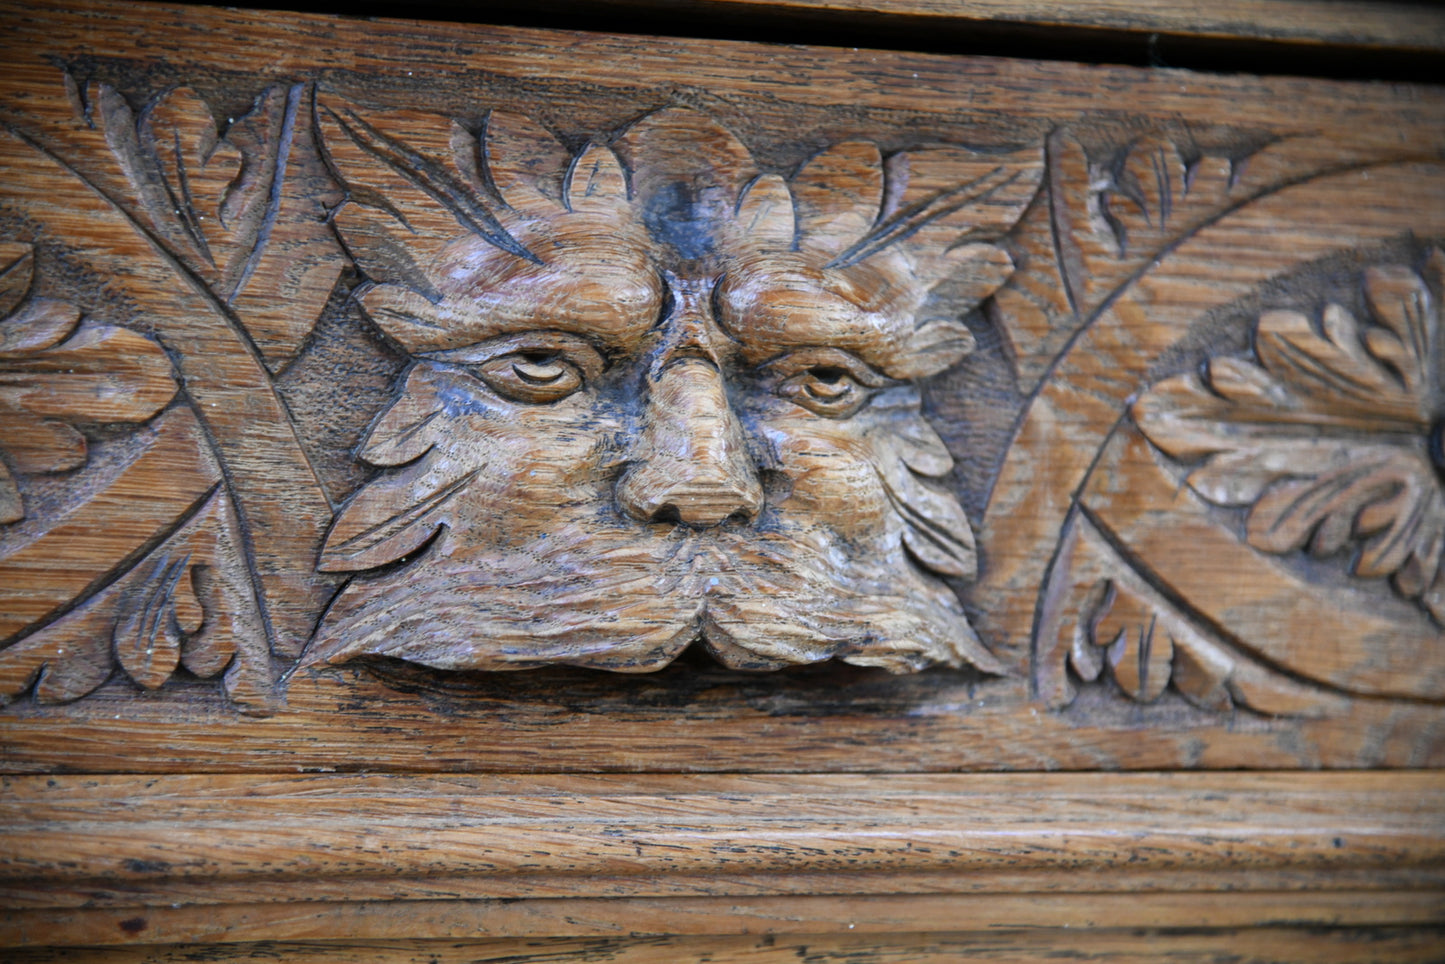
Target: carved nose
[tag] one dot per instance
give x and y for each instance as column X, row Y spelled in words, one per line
column 691, row 463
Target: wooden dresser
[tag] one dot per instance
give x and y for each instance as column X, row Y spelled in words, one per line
column 647, row 494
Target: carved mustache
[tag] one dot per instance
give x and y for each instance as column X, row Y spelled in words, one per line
column 632, row 600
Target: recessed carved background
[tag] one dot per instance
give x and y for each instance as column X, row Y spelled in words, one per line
column 1109, row 425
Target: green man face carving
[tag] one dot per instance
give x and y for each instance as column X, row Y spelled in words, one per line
column 658, row 396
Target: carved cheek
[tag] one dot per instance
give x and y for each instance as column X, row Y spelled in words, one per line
column 535, row 463
column 831, row 466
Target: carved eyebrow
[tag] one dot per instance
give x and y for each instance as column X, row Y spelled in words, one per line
column 824, row 356
column 811, row 322
column 580, row 350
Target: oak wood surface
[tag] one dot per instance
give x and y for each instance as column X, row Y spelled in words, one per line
column 300, row 838
column 1159, row 433
column 235, row 858
column 1253, row 946
column 608, row 917
column 1303, row 190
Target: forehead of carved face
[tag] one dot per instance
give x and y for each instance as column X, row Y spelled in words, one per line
column 657, row 397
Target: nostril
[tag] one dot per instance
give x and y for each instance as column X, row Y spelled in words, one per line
column 739, row 517
column 668, row 514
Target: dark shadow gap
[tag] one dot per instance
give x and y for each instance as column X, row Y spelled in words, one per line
column 703, row 20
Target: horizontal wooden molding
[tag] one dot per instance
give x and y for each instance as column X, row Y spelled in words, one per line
column 240, row 857
column 1402, row 945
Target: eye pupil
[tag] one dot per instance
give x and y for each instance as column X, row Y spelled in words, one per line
column 536, row 376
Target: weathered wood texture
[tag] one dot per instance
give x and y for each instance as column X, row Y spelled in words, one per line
column 293, row 404
column 1405, row 945
column 1013, row 416
column 238, row 858
column 610, row 917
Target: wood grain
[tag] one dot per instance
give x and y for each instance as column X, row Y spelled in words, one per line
column 585, row 917
column 398, row 856
column 1253, row 946
column 343, row 363
column 243, row 214
column 290, row 838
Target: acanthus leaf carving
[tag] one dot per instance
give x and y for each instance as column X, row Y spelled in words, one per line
column 1105, row 216
column 68, row 630
column 1331, row 438
column 398, row 513
column 1103, row 620
column 1136, row 203
column 147, row 636
column 184, row 600
column 54, row 373
column 242, row 206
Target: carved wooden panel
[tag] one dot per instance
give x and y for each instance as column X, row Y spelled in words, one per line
column 484, row 492
column 1007, row 415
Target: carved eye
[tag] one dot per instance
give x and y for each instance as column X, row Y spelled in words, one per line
column 826, row 390
column 535, row 368
column 826, row 381
column 538, row 377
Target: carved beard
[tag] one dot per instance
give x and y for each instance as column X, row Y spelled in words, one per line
column 535, row 562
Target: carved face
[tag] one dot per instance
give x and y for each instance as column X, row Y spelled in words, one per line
column 656, row 397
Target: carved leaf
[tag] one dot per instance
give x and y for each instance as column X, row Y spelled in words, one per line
column 945, row 207
column 279, row 281
column 765, row 213
column 36, row 445
column 186, row 603
column 405, row 202
column 40, row 324
column 193, row 170
column 1140, row 651
column 403, row 433
column 51, row 374
column 595, row 180
column 1329, row 436
column 242, row 208
column 1103, row 620
column 101, row 374
column 934, row 346
column 679, row 146
column 839, row 194
column 526, row 164
column 1106, row 218
column 1328, row 367
column 936, row 531
column 391, row 518
column 209, row 616
column 147, row 634
column 1153, row 189
column 17, row 270
column 1407, row 341
column 396, row 514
